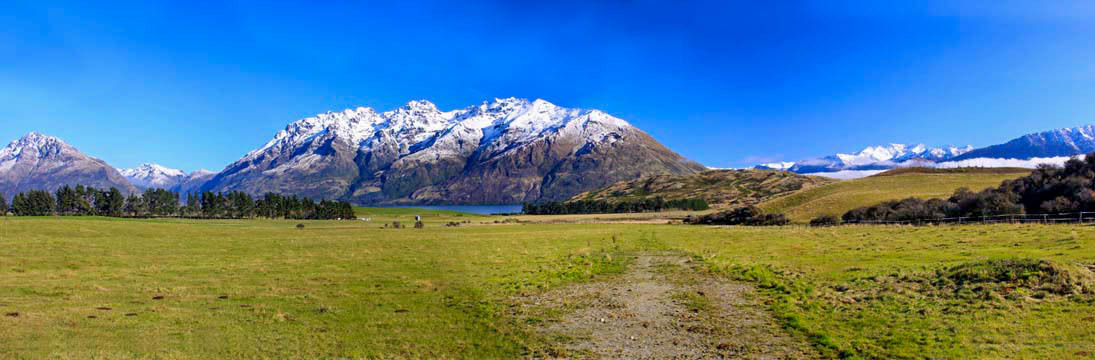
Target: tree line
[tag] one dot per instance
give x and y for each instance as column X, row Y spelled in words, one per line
column 612, row 207
column 89, row 201
column 1048, row 189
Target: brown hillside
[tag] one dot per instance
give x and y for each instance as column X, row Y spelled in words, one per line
column 718, row 187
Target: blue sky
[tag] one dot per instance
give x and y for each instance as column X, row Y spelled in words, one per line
column 725, row 83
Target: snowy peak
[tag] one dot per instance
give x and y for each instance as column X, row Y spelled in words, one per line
column 149, row 175
column 782, row 166
column 418, row 152
column 35, row 143
column 1054, row 143
column 494, row 125
column 41, row 162
column 872, row 158
column 148, row 170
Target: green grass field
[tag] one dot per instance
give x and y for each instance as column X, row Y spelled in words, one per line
column 117, row 288
column 836, row 199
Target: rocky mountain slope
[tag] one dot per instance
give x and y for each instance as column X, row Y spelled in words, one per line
column 505, row 151
column 40, row 162
column 193, row 182
column 1048, row 144
column 717, row 187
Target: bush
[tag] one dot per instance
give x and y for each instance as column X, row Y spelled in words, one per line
column 609, row 207
column 419, row 225
column 300, row 226
column 749, row 216
column 825, row 220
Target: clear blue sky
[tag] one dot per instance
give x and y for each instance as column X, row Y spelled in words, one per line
column 727, row 84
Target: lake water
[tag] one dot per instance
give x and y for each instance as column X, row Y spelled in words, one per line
column 471, row 209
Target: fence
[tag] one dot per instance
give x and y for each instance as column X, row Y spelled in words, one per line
column 1062, row 218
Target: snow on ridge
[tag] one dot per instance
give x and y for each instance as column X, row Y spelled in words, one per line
column 783, row 165
column 419, row 126
column 149, row 170
column 153, row 175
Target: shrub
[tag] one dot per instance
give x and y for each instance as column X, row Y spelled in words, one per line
column 300, row 226
column 825, row 220
column 419, row 225
column 749, row 216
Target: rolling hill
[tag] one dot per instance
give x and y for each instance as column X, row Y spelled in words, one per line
column 720, row 188
column 837, row 198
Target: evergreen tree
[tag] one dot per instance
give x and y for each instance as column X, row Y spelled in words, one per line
column 134, row 205
column 115, row 202
column 18, row 204
column 3, row 205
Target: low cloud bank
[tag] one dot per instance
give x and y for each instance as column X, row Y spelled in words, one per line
column 996, row 163
column 847, row 174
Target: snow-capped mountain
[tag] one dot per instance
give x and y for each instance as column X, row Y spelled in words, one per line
column 1048, row 144
column 150, row 175
column 872, row 158
column 504, row 151
column 782, row 166
column 40, row 162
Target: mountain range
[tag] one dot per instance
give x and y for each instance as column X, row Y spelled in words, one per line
column 871, row 158
column 150, row 175
column 498, row 152
column 1052, row 147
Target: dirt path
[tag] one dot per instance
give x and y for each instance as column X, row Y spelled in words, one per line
column 661, row 308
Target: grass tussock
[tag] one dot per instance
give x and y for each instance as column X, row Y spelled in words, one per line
column 1006, row 275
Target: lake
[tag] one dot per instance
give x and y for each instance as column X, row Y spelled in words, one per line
column 471, row 209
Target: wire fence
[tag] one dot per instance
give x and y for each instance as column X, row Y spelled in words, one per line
column 1049, row 219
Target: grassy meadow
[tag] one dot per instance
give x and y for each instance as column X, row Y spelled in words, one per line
column 179, row 289
column 837, row 198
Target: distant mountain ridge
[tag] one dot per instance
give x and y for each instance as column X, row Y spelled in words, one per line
column 871, row 158
column 1048, row 144
column 500, row 152
column 151, row 175
column 1050, row 147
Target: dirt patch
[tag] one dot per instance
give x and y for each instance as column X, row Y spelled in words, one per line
column 663, row 307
